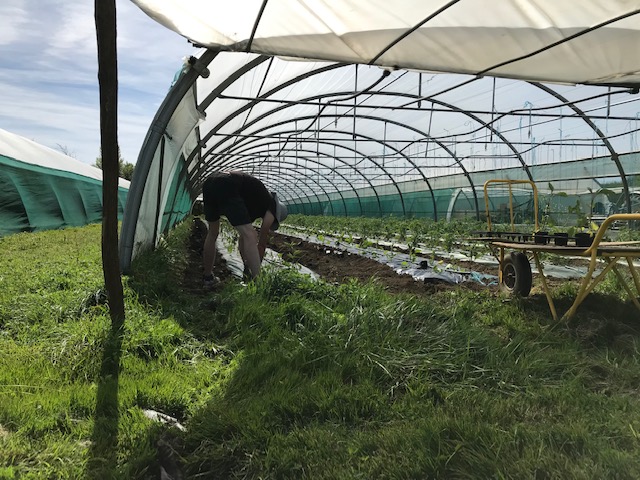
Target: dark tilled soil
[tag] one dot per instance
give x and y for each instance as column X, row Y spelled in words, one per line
column 335, row 265
column 612, row 322
column 192, row 280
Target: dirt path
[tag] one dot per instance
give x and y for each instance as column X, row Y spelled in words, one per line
column 192, row 280
column 335, row 265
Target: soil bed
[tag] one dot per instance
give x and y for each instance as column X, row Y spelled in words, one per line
column 332, row 264
column 335, row 265
column 192, row 280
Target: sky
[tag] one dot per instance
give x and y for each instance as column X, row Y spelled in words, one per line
column 49, row 74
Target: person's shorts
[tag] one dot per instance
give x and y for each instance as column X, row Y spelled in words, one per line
column 221, row 198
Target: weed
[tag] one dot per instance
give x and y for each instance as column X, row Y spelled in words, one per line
column 293, row 378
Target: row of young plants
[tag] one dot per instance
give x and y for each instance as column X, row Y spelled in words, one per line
column 418, row 235
column 426, row 236
column 291, row 378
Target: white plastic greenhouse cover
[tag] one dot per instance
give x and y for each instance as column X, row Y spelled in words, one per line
column 359, row 129
column 563, row 41
column 28, row 151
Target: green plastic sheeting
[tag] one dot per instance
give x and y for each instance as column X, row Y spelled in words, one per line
column 40, row 198
column 178, row 203
column 576, row 185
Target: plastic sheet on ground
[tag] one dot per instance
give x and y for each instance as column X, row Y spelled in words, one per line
column 420, row 268
column 228, row 248
column 566, row 272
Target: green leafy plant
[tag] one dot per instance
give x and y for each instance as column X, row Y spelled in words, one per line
column 547, row 218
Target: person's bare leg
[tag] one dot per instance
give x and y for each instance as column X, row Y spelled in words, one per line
column 241, row 248
column 248, row 245
column 209, row 249
column 246, row 275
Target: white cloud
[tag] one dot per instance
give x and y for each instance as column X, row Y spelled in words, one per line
column 75, row 34
column 48, row 73
column 14, row 19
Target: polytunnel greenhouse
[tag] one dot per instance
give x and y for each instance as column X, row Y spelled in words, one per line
column 384, row 109
column 441, row 301
column 44, row 189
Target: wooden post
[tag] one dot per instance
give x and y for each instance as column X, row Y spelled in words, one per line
column 105, row 18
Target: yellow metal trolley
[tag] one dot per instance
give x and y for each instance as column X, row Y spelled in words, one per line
column 515, row 270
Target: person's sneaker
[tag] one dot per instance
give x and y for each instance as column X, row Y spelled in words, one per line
column 246, row 275
column 210, row 281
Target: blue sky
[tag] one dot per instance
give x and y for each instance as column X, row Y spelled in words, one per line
column 48, row 73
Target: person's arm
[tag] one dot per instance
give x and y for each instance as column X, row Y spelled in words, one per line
column 267, row 221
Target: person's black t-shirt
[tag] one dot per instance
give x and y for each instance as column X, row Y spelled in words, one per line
column 223, row 193
column 255, row 195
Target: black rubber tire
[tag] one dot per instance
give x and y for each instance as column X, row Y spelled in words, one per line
column 516, row 274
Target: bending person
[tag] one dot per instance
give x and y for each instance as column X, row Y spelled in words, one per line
column 242, row 199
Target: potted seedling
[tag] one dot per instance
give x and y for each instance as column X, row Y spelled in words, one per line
column 541, row 237
column 584, row 235
column 584, row 230
column 561, row 239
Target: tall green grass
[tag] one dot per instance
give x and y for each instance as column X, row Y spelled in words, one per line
column 290, row 378
column 350, row 382
column 55, row 337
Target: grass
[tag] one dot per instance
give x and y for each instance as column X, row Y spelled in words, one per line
column 56, row 341
column 287, row 378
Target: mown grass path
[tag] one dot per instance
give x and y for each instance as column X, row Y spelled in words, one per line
column 289, row 378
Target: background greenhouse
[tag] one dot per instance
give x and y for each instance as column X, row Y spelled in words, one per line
column 44, row 189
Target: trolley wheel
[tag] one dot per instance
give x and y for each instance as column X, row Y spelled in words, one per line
column 516, row 274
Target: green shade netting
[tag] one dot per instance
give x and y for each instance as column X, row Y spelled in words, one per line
column 454, row 197
column 41, row 198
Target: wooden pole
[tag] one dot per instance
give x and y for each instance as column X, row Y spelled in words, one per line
column 105, row 18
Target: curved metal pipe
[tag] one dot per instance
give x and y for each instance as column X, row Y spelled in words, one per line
column 603, row 137
column 147, row 152
column 289, row 186
column 200, row 173
column 356, row 152
column 336, row 189
column 372, row 139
